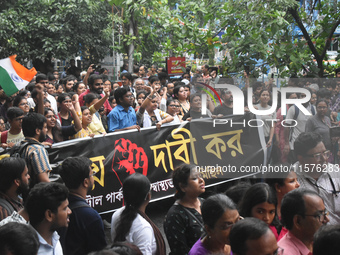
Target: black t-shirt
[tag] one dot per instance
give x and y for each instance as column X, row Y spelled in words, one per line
column 224, row 110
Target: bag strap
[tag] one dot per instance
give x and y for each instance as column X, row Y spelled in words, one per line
column 4, row 136
column 78, row 204
column 7, row 206
column 192, row 215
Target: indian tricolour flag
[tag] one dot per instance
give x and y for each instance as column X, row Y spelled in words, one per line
column 14, row 76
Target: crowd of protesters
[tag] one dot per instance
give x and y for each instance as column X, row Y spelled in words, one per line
column 283, row 215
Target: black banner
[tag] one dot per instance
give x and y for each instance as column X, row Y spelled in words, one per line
column 218, row 148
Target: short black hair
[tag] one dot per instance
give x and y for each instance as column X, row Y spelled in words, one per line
column 154, row 79
column 244, row 230
column 293, row 203
column 323, row 93
column 135, row 68
column 11, row 168
column 181, row 175
column 74, row 170
column 126, row 75
column 17, row 100
column 18, row 238
column 44, row 196
column 306, row 141
column 40, row 77
column 62, row 97
column 93, row 77
column 14, row 112
column 31, row 122
column 120, row 93
column 162, row 75
column 326, row 240
column 90, row 97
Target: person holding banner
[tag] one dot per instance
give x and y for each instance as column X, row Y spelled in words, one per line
column 130, row 223
column 183, row 224
column 123, row 116
column 149, row 115
column 181, row 95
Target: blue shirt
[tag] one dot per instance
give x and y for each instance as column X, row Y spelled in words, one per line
column 118, row 118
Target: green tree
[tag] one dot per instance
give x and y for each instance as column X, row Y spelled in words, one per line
column 265, row 30
column 41, row 29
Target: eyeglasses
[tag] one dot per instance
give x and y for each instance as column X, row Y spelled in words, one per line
column 93, row 174
column 173, row 105
column 23, row 104
column 2, row 124
column 226, row 226
column 139, row 84
column 279, row 251
column 317, row 156
column 320, row 216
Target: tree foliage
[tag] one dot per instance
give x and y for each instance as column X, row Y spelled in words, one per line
column 42, row 29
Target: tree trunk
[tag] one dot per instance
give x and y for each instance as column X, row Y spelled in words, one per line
column 131, row 47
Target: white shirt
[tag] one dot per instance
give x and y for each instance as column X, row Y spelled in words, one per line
column 141, row 233
column 47, row 249
column 301, row 123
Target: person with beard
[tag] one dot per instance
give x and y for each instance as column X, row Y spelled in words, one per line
column 14, row 181
column 96, row 85
column 34, row 127
column 227, row 107
column 85, row 232
column 48, row 211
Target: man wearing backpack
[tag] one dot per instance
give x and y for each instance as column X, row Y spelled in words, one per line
column 34, row 127
column 14, row 180
column 291, row 133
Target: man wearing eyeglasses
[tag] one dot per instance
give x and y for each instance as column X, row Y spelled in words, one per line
column 302, row 212
column 315, row 173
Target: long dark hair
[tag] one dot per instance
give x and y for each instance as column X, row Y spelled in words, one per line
column 257, row 194
column 135, row 190
column 56, row 130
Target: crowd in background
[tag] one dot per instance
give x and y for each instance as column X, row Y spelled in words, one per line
column 284, row 215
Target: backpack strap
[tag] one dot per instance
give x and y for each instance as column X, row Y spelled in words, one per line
column 7, row 206
column 4, row 136
column 297, row 111
column 78, row 204
column 313, row 110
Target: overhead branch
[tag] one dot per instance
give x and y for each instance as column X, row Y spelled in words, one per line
column 329, row 38
column 295, row 14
